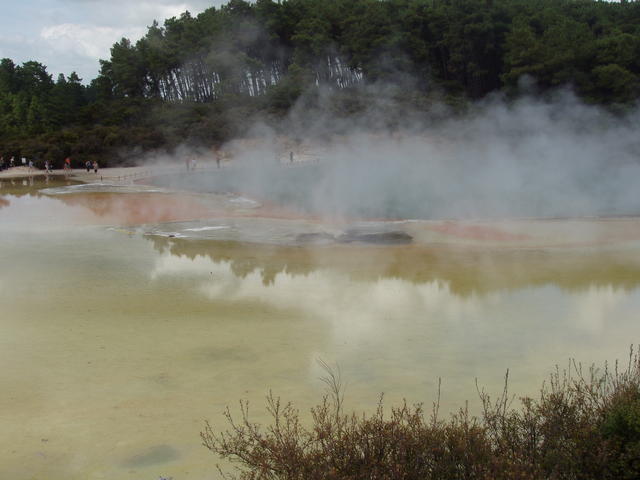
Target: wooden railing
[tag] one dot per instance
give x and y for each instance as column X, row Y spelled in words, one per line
column 128, row 177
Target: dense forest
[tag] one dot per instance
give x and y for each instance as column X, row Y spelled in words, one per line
column 203, row 79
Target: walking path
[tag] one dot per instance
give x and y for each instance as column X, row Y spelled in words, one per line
column 112, row 175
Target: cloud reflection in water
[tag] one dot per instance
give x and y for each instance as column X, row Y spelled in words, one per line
column 391, row 329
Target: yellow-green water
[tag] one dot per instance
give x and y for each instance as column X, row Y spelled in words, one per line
column 115, row 346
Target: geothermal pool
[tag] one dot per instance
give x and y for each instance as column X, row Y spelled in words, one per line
column 131, row 315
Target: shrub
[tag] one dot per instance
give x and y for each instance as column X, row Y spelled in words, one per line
column 582, row 426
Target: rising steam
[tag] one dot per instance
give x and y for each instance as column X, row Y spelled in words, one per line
column 556, row 157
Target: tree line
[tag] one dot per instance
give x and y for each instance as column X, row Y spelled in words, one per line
column 203, row 78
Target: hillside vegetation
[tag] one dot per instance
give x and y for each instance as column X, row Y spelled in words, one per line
column 205, row 79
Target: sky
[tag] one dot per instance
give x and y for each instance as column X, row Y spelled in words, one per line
column 72, row 35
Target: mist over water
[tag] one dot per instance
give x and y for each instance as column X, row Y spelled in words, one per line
column 131, row 313
column 525, row 158
column 120, row 337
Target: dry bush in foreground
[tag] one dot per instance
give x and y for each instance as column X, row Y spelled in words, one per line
column 582, row 426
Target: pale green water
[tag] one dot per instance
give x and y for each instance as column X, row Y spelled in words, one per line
column 116, row 347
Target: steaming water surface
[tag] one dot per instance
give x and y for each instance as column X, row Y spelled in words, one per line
column 118, row 338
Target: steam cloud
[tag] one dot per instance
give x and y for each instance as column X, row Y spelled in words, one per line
column 532, row 157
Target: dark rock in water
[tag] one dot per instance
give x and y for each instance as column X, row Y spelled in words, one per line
column 315, row 238
column 379, row 238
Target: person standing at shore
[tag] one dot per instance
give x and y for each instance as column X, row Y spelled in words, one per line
column 95, row 166
column 30, row 166
column 12, row 161
column 88, row 165
column 1, row 162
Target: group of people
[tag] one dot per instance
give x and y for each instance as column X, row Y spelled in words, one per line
column 191, row 161
column 7, row 164
column 88, row 165
column 48, row 166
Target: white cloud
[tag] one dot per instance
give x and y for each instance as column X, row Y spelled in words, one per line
column 140, row 14
column 86, row 40
column 11, row 45
column 71, row 35
column 144, row 13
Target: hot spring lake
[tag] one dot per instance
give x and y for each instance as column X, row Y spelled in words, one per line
column 129, row 316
